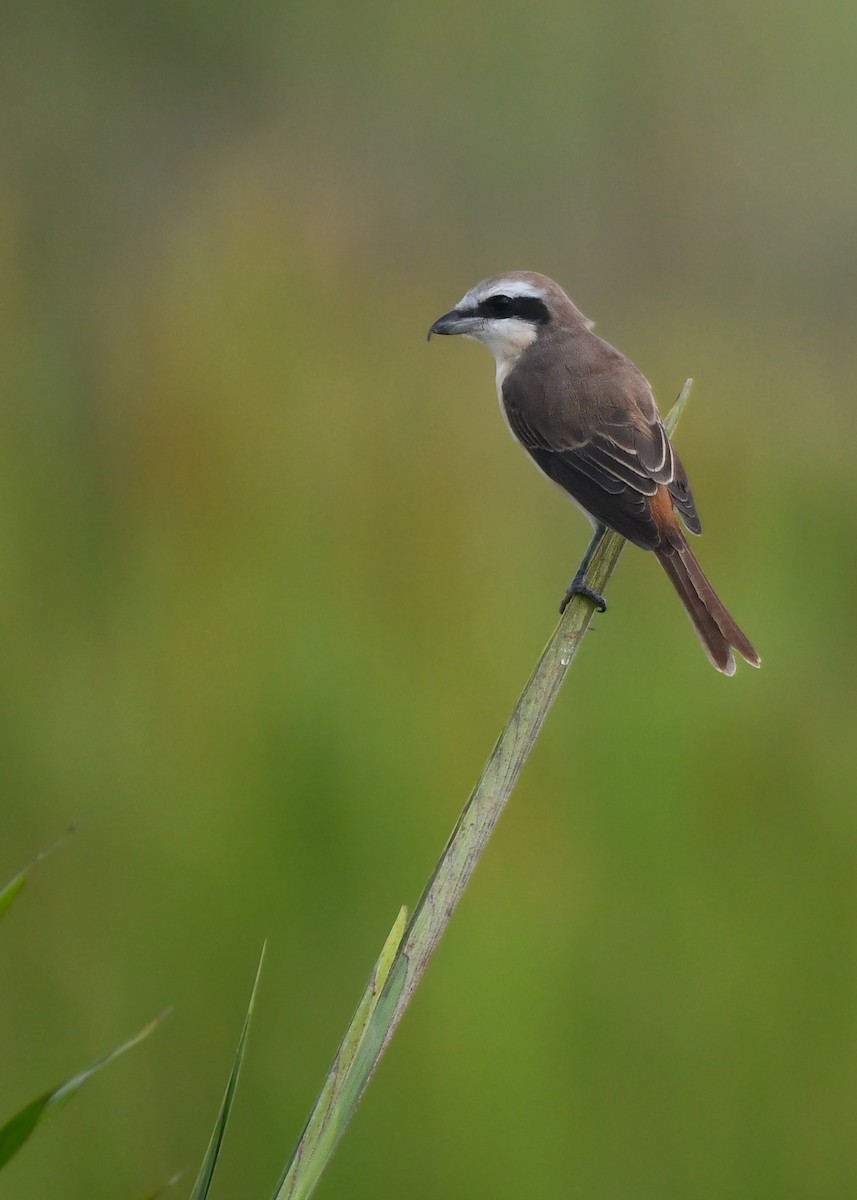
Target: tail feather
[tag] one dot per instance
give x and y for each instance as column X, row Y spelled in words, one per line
column 717, row 630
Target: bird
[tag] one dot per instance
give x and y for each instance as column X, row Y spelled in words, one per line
column 588, row 418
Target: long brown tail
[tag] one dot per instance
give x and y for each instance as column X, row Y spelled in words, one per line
column 717, row 631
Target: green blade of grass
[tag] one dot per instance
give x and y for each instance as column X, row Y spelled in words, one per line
column 18, row 1129
column 11, row 891
column 337, row 1099
column 13, row 888
column 212, row 1153
column 455, row 867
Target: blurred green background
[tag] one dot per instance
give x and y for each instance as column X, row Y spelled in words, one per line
column 273, row 574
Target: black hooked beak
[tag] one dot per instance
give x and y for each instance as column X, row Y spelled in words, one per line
column 449, row 323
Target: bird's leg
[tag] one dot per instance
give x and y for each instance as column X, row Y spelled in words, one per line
column 577, row 587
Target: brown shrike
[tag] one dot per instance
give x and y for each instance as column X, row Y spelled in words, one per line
column 588, row 418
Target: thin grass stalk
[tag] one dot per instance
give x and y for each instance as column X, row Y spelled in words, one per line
column 462, row 852
column 488, row 799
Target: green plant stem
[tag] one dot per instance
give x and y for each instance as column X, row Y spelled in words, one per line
column 469, row 838
column 488, row 799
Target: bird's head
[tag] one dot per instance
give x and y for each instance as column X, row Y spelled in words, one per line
column 508, row 312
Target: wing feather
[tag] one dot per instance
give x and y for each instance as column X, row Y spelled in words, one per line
column 598, row 434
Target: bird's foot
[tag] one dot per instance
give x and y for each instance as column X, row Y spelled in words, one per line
column 577, row 588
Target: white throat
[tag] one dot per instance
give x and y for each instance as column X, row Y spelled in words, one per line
column 507, row 340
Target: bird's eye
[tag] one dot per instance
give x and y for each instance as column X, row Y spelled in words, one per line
column 497, row 306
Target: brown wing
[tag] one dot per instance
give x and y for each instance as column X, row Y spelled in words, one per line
column 596, row 431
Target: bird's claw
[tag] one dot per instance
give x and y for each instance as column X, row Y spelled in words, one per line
column 580, row 589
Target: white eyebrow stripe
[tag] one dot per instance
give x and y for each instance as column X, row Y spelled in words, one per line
column 501, row 287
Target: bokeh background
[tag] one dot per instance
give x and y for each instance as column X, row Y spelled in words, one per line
column 273, row 574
